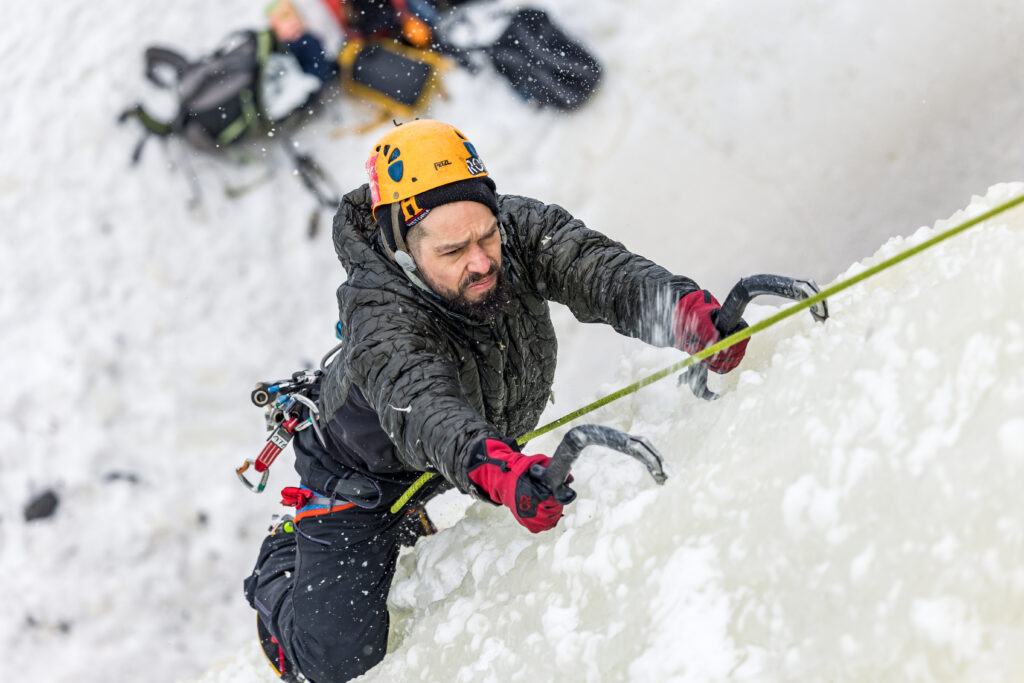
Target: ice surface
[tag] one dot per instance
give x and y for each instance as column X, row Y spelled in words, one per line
column 849, row 510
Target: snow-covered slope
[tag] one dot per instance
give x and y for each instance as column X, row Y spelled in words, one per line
column 728, row 139
column 849, row 510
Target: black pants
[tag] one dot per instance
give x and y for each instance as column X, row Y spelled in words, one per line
column 322, row 591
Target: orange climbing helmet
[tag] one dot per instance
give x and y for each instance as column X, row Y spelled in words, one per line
column 418, row 166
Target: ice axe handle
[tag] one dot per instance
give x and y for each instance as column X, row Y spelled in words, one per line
column 561, row 492
column 731, row 312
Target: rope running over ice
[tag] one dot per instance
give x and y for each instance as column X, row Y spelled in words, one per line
column 772, row 320
column 736, row 338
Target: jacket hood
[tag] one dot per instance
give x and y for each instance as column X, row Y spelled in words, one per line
column 355, row 231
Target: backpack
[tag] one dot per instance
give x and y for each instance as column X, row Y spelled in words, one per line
column 232, row 95
column 219, row 96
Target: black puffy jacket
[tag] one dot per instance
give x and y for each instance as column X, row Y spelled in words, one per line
column 415, row 385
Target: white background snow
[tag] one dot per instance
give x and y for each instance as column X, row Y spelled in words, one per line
column 850, row 510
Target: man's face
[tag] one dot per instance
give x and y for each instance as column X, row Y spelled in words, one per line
column 458, row 254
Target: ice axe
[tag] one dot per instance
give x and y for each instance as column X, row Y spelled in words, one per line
column 732, row 310
column 578, row 438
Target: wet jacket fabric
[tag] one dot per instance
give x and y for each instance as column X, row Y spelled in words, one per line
column 415, row 385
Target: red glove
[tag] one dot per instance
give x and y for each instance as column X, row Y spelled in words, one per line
column 504, row 475
column 693, row 324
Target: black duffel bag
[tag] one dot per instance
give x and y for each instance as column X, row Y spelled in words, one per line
column 543, row 64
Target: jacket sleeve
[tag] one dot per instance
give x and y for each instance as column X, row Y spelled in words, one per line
column 598, row 279
column 410, row 378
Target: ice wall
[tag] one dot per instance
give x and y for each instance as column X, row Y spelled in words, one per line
column 850, row 508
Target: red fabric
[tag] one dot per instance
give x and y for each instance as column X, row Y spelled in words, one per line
column 694, row 329
column 401, row 8
column 280, row 657
column 272, row 450
column 267, row 456
column 293, row 496
column 504, row 476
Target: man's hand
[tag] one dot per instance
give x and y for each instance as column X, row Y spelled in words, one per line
column 504, row 475
column 693, row 324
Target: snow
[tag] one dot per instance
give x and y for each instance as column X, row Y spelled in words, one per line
column 849, row 510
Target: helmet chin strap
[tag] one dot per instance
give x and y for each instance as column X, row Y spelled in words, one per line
column 401, row 255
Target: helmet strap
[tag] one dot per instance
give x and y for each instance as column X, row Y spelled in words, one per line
column 401, row 255
column 397, row 220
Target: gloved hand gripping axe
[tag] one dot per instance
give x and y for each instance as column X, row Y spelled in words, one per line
column 554, row 476
column 696, row 376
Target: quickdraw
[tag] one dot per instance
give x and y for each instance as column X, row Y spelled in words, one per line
column 276, row 442
column 284, row 401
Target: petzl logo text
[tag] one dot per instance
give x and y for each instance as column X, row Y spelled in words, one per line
column 439, row 164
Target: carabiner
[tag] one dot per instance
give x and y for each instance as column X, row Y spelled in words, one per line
column 258, row 488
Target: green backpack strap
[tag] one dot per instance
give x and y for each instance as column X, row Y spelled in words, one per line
column 265, row 43
column 254, row 114
column 150, row 125
column 155, row 58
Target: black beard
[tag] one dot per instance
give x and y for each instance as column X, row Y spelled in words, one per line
column 488, row 308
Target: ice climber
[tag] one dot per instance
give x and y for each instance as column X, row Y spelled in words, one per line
column 448, row 354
